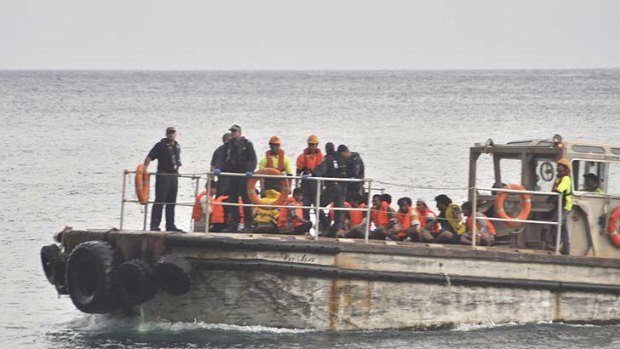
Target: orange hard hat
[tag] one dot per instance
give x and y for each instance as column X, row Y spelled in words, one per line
column 313, row 139
column 565, row 162
column 274, row 140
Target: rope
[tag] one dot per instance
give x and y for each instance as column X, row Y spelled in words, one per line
column 419, row 186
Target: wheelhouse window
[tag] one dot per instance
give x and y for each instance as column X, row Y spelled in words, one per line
column 590, row 176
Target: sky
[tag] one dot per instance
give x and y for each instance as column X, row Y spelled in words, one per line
column 309, row 35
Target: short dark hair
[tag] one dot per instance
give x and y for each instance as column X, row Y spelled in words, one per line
column 404, row 201
column 387, row 198
column 443, row 199
column 342, row 148
column 466, row 206
column 298, row 191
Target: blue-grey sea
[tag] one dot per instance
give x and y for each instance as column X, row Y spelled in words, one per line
column 67, row 136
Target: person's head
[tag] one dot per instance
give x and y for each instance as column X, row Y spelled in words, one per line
column 226, row 137
column 355, row 199
column 387, row 198
column 274, row 144
column 466, row 207
column 421, row 204
column 404, row 203
column 171, row 133
column 591, row 181
column 298, row 194
column 563, row 167
column 313, row 144
column 344, row 151
column 329, row 148
column 376, row 200
column 443, row 201
column 235, row 132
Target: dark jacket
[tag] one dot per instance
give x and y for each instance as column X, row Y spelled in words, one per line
column 333, row 165
column 168, row 155
column 237, row 158
column 355, row 166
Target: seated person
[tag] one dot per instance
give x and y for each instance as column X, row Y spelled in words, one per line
column 266, row 217
column 485, row 231
column 382, row 216
column 216, row 219
column 407, row 221
column 591, row 183
column 428, row 228
column 450, row 218
column 291, row 219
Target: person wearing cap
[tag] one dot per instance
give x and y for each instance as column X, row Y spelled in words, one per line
column 167, row 152
column 275, row 158
column 333, row 166
column 307, row 161
column 591, row 183
column 237, row 156
column 355, row 169
column 563, row 185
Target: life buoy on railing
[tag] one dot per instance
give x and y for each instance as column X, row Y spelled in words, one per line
column 252, row 188
column 526, row 206
column 612, row 227
column 142, row 184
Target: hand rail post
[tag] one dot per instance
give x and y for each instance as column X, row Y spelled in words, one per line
column 191, row 220
column 317, row 205
column 368, row 212
column 123, row 200
column 474, row 215
column 559, row 232
column 208, row 202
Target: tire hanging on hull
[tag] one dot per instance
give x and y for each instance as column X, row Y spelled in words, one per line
column 174, row 274
column 137, row 283
column 49, row 255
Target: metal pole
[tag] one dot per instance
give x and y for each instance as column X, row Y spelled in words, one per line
column 207, row 203
column 146, row 206
column 474, row 213
column 559, row 232
column 123, row 200
column 317, row 205
column 191, row 220
column 368, row 212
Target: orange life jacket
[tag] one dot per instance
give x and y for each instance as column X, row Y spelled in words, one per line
column 357, row 216
column 307, row 162
column 280, row 160
column 283, row 219
column 422, row 216
column 217, row 210
column 197, row 212
column 488, row 224
column 404, row 218
column 380, row 216
column 332, row 213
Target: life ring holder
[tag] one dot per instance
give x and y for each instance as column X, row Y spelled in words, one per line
column 142, row 184
column 612, row 227
column 251, row 188
column 526, row 207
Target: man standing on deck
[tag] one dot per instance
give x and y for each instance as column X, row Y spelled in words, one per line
column 563, row 186
column 333, row 166
column 238, row 156
column 222, row 182
column 306, row 163
column 355, row 169
column 168, row 154
column 275, row 158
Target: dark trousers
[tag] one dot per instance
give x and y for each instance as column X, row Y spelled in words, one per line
column 237, row 187
column 165, row 191
column 309, row 188
column 333, row 193
column 300, row 230
column 564, row 239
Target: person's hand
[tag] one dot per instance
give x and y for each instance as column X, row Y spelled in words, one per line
column 217, row 172
column 249, row 174
column 305, row 177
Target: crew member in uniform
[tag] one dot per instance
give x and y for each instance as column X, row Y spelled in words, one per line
column 237, row 156
column 168, row 155
column 334, row 166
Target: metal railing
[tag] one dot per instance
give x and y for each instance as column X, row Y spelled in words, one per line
column 512, row 191
column 369, row 189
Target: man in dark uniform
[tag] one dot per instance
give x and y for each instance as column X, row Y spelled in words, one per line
column 168, row 155
column 222, row 182
column 334, row 166
column 355, row 169
column 237, row 156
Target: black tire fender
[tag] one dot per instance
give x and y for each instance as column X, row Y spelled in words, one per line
column 49, row 254
column 174, row 274
column 90, row 277
column 137, row 283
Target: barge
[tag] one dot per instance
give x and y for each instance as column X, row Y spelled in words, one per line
column 356, row 284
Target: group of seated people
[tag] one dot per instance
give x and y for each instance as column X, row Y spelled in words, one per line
column 453, row 224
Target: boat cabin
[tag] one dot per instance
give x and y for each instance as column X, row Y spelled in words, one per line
column 592, row 223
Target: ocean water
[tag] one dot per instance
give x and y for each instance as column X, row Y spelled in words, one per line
column 67, row 136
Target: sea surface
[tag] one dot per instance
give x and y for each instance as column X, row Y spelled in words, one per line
column 67, row 136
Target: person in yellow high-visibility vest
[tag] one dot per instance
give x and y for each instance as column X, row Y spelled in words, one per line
column 563, row 185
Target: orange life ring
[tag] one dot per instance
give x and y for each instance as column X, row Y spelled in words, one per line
column 526, row 207
column 252, row 187
column 612, row 227
column 142, row 184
